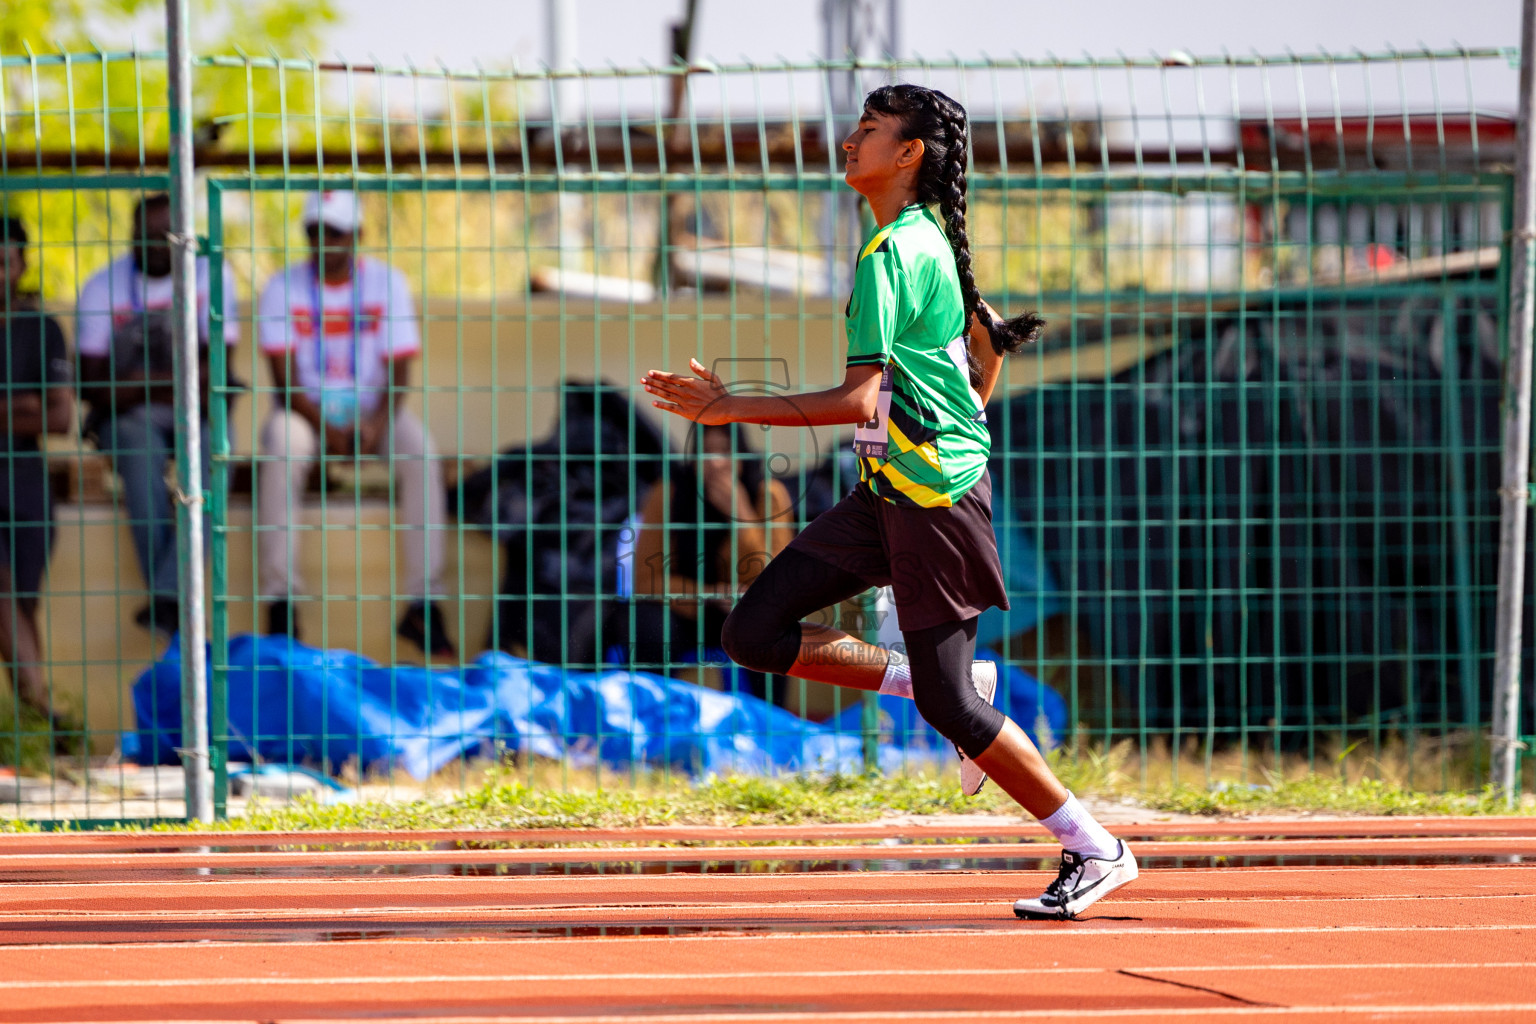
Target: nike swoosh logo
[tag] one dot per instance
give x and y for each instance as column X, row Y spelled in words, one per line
column 1095, row 885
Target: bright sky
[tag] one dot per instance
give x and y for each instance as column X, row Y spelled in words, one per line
column 628, row 32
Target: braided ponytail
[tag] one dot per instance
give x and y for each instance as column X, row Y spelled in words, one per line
column 941, row 123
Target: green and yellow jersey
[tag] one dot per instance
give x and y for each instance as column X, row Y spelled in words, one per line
column 928, row 443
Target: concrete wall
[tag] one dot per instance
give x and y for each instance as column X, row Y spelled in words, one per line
column 491, row 371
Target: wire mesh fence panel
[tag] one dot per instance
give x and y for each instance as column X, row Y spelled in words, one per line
column 89, row 541
column 1244, row 488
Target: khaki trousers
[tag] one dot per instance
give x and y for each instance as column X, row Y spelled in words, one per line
column 289, row 447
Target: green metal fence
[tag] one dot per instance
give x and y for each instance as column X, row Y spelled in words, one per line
column 71, row 645
column 1246, row 485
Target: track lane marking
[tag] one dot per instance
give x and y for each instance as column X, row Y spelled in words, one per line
column 407, row 910
column 79, row 862
column 1140, row 973
column 244, row 913
column 830, row 1017
column 1053, row 934
column 456, row 880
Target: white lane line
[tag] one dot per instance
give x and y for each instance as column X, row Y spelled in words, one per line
column 883, row 1015
column 892, row 933
column 833, row 1017
column 440, row 979
column 723, row 877
column 324, row 913
column 942, row 972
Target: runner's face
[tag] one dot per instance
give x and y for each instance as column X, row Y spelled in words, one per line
column 876, row 155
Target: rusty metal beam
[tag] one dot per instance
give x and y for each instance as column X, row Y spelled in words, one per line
column 613, row 152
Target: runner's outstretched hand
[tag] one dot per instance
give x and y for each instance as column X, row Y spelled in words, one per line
column 701, row 398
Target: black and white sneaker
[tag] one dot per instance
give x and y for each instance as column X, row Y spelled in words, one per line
column 984, row 678
column 1081, row 882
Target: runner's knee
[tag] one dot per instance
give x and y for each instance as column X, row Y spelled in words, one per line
column 959, row 715
column 757, row 636
column 762, row 632
column 942, row 687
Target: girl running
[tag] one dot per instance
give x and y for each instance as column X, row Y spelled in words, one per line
column 924, row 352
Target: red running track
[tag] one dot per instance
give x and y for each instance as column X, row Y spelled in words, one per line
column 654, row 944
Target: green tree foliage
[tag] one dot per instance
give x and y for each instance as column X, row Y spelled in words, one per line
column 83, row 86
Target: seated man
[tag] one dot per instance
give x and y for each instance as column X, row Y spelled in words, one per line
column 123, row 337
column 339, row 331
column 35, row 400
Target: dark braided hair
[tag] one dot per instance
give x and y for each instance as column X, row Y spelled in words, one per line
column 940, row 122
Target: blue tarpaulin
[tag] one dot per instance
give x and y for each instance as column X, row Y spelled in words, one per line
column 298, row 705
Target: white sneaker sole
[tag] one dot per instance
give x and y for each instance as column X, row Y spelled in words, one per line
column 973, row 778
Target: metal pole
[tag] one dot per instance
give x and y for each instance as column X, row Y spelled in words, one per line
column 189, row 470
column 843, row 40
column 1514, row 491
column 565, row 101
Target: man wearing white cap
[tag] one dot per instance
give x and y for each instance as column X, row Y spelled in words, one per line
column 339, row 332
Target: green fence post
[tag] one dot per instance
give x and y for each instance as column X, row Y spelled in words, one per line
column 218, row 507
column 869, row 704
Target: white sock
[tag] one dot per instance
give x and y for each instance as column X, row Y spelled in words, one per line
column 898, row 679
column 1076, row 830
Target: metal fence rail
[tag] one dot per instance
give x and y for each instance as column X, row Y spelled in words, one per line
column 1246, row 486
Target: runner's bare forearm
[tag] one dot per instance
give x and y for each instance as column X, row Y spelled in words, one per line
column 989, row 359
column 853, row 401
column 703, row 398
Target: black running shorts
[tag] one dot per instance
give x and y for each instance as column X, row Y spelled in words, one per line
column 941, row 562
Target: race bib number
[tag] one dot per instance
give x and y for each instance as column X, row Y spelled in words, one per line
column 871, row 440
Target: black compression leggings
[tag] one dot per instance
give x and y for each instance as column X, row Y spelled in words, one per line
column 762, row 633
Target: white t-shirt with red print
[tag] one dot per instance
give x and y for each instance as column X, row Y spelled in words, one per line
column 369, row 321
column 118, row 293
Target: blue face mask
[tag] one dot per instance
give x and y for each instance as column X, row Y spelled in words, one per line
column 339, row 406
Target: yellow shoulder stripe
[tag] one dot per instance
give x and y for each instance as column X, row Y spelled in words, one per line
column 880, row 236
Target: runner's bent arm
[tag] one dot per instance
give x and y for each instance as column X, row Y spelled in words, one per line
column 988, row 358
column 702, row 398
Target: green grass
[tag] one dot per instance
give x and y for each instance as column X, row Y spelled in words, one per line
column 1320, row 794
column 1393, row 779
column 546, row 797
column 838, row 799
column 500, row 803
